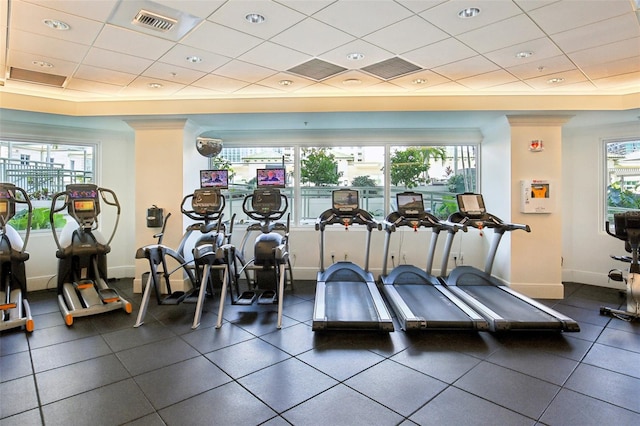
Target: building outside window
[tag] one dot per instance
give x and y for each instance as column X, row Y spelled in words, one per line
column 622, row 177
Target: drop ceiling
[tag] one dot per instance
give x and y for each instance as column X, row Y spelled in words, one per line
column 318, row 48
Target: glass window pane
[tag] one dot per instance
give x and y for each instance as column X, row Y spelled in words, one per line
column 622, row 177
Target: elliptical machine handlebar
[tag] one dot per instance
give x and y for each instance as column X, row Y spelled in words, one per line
column 205, row 214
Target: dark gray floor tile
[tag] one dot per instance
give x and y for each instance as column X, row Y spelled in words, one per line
column 47, row 320
column 27, row 418
column 614, row 388
column 573, row 409
column 456, row 407
column 393, row 385
column 340, row 363
column 504, row 387
column 302, row 311
column 560, row 344
column 67, row 353
column 13, row 341
column 229, row 404
column 83, row 376
column 246, row 357
column 15, row 365
column 614, row 359
column 131, row 337
column 210, row 339
column 443, row 365
column 628, row 326
column 479, row 345
column 108, row 405
column 294, row 340
column 341, row 405
column 302, row 382
column 152, row 419
column 620, row 339
column 276, row 421
column 581, row 314
column 256, row 319
column 544, row 366
column 80, row 329
column 44, row 302
column 156, row 355
column 180, row 381
column 17, row 396
column 589, row 332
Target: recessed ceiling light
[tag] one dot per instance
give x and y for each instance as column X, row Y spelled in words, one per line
column 555, row 80
column 254, row 18
column 524, row 54
column 285, row 82
column 355, row 56
column 470, row 12
column 194, row 59
column 56, row 25
column 419, row 81
column 42, row 64
column 154, row 85
column 351, row 82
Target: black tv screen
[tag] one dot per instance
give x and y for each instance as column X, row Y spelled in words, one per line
column 214, row 179
column 272, row 178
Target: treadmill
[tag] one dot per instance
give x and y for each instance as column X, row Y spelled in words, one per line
column 504, row 308
column 346, row 294
column 419, row 299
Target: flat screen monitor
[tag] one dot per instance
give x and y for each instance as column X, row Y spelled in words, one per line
column 410, row 204
column 83, row 205
column 266, row 201
column 4, row 206
column 272, row 178
column 214, row 179
column 471, row 205
column 206, row 201
column 345, row 200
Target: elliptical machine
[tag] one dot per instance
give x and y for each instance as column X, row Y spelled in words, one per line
column 627, row 229
column 14, row 307
column 209, row 238
column 82, row 253
column 268, row 272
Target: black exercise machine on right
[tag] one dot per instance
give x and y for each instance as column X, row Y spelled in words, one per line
column 504, row 308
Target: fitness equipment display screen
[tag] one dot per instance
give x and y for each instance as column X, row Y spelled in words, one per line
column 345, row 200
column 273, row 178
column 83, row 205
column 82, row 193
column 266, row 200
column 214, row 179
column 205, row 201
column 410, row 204
column 471, row 205
column 4, row 206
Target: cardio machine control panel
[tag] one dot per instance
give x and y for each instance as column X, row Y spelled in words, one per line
column 83, row 203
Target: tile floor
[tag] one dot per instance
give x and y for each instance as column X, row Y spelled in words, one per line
column 103, row 371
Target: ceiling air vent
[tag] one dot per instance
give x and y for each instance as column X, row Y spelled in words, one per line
column 151, row 20
column 317, row 69
column 391, row 68
column 36, row 77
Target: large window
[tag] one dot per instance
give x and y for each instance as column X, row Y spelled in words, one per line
column 43, row 169
column 378, row 172
column 622, row 176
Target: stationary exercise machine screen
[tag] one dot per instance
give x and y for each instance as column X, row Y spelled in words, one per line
column 471, row 205
column 345, row 200
column 214, row 179
column 4, row 206
column 266, row 200
column 410, row 205
column 84, row 204
column 206, row 201
column 271, row 178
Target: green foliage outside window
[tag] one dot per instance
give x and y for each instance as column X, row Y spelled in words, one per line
column 319, row 167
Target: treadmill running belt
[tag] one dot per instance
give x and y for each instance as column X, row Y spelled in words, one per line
column 349, row 301
column 427, row 302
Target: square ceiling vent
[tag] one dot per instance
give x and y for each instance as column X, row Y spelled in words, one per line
column 391, row 68
column 317, row 69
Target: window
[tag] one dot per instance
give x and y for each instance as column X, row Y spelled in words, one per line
column 436, row 171
column 43, row 169
column 622, row 176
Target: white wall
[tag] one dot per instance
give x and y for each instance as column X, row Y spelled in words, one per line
column 586, row 246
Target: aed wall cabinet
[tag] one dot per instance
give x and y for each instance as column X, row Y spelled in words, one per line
column 537, row 196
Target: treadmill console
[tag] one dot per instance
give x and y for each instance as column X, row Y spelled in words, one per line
column 206, row 201
column 410, row 205
column 345, row 201
column 471, row 205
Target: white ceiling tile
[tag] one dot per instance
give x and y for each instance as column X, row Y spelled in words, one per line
column 372, row 54
column 527, row 5
column 417, row 6
column 297, row 82
column 430, row 79
column 613, row 68
column 490, row 79
column 277, row 17
column 220, row 39
column 312, row 37
column 466, row 68
column 512, row 87
column 102, row 75
column 348, row 80
column 25, row 60
column 448, row 87
column 541, row 48
column 445, row 15
column 361, row 17
column 406, row 35
column 603, row 32
column 564, row 15
column 51, row 47
column 179, row 53
column 618, row 82
column 542, row 67
column 200, row 8
column 116, row 61
column 91, row 86
column 219, row 83
column 173, row 73
column 197, row 92
column 244, row 71
column 607, row 53
column 132, row 43
column 140, row 86
column 306, row 7
column 515, row 30
column 440, row 53
column 258, row 90
column 321, row 89
column 570, row 77
column 96, row 10
column 274, row 56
